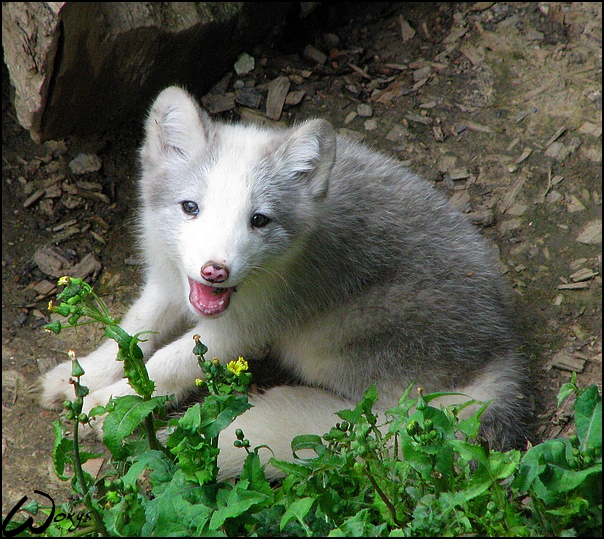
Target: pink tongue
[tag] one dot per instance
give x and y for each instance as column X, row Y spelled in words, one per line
column 209, row 300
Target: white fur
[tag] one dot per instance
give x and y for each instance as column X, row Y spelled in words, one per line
column 363, row 275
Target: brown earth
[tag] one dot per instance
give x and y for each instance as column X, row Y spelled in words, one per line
column 498, row 104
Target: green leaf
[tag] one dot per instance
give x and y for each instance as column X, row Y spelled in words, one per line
column 298, row 510
column 568, row 389
column 546, row 470
column 306, row 441
column 254, row 473
column 360, row 525
column 492, row 467
column 291, row 468
column 171, row 514
column 128, row 413
column 238, row 405
column 236, row 503
column 160, row 468
column 588, row 417
column 62, row 452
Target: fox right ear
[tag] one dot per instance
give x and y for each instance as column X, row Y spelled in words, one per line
column 177, row 128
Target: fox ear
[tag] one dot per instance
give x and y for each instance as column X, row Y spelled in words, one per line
column 309, row 152
column 176, row 128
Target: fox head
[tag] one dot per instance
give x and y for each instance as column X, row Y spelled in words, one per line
column 225, row 201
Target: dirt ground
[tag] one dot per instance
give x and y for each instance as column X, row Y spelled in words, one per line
column 498, row 104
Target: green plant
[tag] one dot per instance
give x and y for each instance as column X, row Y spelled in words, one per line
column 418, row 471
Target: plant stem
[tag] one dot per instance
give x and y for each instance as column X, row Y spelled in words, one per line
column 382, row 495
column 77, row 464
column 154, row 443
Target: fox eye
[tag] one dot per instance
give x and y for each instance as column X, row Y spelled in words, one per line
column 259, row 220
column 190, row 208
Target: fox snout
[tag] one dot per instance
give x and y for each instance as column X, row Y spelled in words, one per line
column 214, row 272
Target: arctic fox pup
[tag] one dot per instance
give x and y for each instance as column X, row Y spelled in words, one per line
column 308, row 248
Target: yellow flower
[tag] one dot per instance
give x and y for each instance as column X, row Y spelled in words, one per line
column 237, row 367
column 71, row 354
column 64, row 280
column 199, row 382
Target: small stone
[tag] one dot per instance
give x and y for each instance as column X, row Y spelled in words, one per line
column 398, row 134
column 364, row 110
column 85, row 163
column 315, row 54
column 573, row 204
column 244, row 64
column 295, row 98
column 591, row 233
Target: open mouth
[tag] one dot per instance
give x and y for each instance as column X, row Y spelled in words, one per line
column 209, row 300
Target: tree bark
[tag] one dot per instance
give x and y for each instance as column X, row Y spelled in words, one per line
column 80, row 67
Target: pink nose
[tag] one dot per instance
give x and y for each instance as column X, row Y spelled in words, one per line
column 214, row 272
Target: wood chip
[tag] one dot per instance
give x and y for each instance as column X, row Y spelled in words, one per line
column 573, row 286
column 524, row 156
column 509, row 199
column 214, row 103
column 45, row 287
column 438, row 133
column 407, row 32
column 567, row 362
column 418, row 118
column 422, row 74
column 478, row 127
column 556, row 136
column 584, row 274
column 277, row 92
column 95, row 195
column 51, row 261
column 484, row 218
column 591, row 129
column 459, row 174
column 33, row 198
column 455, row 35
column 476, row 55
column 360, row 71
column 63, row 225
column 88, row 266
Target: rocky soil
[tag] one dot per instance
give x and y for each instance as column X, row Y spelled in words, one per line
column 498, row 104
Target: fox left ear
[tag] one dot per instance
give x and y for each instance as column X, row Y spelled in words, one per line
column 310, row 152
column 177, row 128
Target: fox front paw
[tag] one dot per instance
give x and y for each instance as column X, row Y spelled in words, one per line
column 55, row 387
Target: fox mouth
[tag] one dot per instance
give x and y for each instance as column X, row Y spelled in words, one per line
column 209, row 300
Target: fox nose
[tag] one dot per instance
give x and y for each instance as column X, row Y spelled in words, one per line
column 215, row 272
